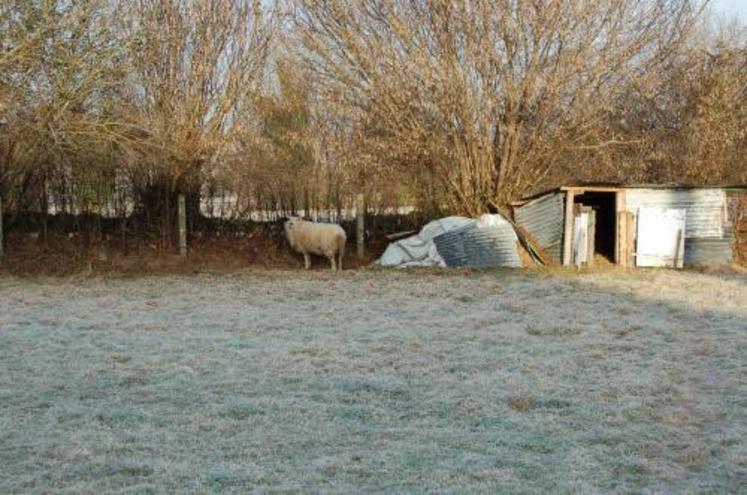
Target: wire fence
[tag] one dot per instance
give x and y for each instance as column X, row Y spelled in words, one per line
column 146, row 207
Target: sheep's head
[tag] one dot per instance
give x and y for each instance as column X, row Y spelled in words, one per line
column 291, row 224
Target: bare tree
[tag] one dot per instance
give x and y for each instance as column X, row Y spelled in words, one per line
column 690, row 123
column 714, row 115
column 487, row 93
column 59, row 61
column 194, row 66
column 454, row 105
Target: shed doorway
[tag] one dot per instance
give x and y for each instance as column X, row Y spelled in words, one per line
column 604, row 205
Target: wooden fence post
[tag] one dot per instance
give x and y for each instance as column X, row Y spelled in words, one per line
column 360, row 216
column 592, row 249
column 568, row 229
column 182, row 226
column 2, row 252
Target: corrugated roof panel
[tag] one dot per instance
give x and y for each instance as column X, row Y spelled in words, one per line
column 705, row 208
column 543, row 219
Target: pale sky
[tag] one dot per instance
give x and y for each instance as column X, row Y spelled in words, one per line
column 730, row 7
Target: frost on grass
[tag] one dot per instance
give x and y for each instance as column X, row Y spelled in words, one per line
column 375, row 381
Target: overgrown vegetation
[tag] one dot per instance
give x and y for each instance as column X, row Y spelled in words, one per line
column 109, row 109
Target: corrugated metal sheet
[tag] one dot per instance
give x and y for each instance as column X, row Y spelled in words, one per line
column 706, row 208
column 479, row 247
column 450, row 246
column 543, row 219
column 709, row 251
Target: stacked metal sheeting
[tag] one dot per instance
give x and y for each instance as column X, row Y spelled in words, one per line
column 714, row 250
column 544, row 219
column 484, row 247
column 708, row 229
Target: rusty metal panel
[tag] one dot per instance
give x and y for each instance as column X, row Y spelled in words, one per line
column 479, row 247
column 706, row 208
column 543, row 218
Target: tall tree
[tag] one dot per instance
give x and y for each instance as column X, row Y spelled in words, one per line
column 194, row 66
column 486, row 93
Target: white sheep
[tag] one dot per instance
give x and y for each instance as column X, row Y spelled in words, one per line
column 323, row 239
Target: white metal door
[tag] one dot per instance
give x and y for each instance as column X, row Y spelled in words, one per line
column 661, row 237
column 580, row 240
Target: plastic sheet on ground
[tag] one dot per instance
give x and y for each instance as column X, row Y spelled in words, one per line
column 419, row 249
column 488, row 241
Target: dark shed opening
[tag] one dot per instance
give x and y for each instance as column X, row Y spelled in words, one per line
column 604, row 206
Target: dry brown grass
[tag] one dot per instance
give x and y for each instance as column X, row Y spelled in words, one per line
column 64, row 256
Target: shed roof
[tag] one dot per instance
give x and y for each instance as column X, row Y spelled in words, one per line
column 614, row 187
column 621, row 185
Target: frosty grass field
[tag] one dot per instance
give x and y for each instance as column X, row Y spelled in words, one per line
column 375, row 381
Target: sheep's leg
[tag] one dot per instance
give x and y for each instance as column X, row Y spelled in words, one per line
column 307, row 260
column 339, row 261
column 333, row 263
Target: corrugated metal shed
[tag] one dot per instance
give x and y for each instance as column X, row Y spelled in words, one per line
column 543, row 218
column 479, row 247
column 710, row 237
column 705, row 208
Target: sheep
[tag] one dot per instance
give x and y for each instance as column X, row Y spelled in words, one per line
column 323, row 239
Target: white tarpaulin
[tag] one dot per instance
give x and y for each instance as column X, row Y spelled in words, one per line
column 487, row 220
column 420, row 250
column 661, row 237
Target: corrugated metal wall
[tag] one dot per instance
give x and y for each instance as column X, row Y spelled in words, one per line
column 543, row 219
column 705, row 208
column 705, row 251
column 709, row 234
column 479, row 247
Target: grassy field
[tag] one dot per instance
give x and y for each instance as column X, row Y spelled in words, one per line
column 375, row 381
